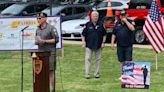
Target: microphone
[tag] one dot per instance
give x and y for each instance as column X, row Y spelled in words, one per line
column 24, row 28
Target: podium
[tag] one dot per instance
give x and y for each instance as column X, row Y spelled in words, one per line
column 40, row 66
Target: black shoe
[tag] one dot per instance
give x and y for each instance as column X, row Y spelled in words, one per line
column 97, row 77
column 87, row 77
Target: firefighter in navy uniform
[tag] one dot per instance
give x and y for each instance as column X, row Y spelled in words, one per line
column 93, row 39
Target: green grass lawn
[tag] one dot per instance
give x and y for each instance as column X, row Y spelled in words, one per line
column 72, row 70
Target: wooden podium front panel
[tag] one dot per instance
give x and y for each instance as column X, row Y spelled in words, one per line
column 41, row 75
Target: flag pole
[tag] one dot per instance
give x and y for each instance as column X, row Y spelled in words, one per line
column 156, row 61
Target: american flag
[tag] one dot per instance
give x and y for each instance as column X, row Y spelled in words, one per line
column 154, row 28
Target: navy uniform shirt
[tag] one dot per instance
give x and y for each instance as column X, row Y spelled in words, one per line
column 124, row 35
column 94, row 35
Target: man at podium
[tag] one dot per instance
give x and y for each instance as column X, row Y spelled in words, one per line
column 46, row 39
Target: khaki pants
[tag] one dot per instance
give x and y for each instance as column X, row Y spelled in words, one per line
column 88, row 55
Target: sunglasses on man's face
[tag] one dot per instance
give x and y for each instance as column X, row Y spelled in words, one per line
column 40, row 18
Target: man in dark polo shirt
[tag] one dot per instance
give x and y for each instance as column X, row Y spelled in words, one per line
column 93, row 38
column 46, row 39
column 123, row 33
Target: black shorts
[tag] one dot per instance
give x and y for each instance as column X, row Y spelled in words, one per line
column 124, row 53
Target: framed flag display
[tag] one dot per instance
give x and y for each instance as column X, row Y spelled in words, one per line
column 135, row 75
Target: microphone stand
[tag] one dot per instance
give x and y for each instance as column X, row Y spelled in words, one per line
column 22, row 57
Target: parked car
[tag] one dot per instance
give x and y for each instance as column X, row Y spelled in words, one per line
column 75, row 1
column 23, row 9
column 72, row 29
column 138, row 10
column 68, row 12
column 115, row 4
column 4, row 4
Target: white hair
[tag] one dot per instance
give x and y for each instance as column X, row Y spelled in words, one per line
column 95, row 12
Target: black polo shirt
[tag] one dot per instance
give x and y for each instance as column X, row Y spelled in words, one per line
column 124, row 35
column 94, row 35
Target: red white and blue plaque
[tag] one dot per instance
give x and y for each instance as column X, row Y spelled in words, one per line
column 135, row 75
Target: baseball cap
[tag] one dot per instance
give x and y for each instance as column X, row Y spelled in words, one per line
column 41, row 14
